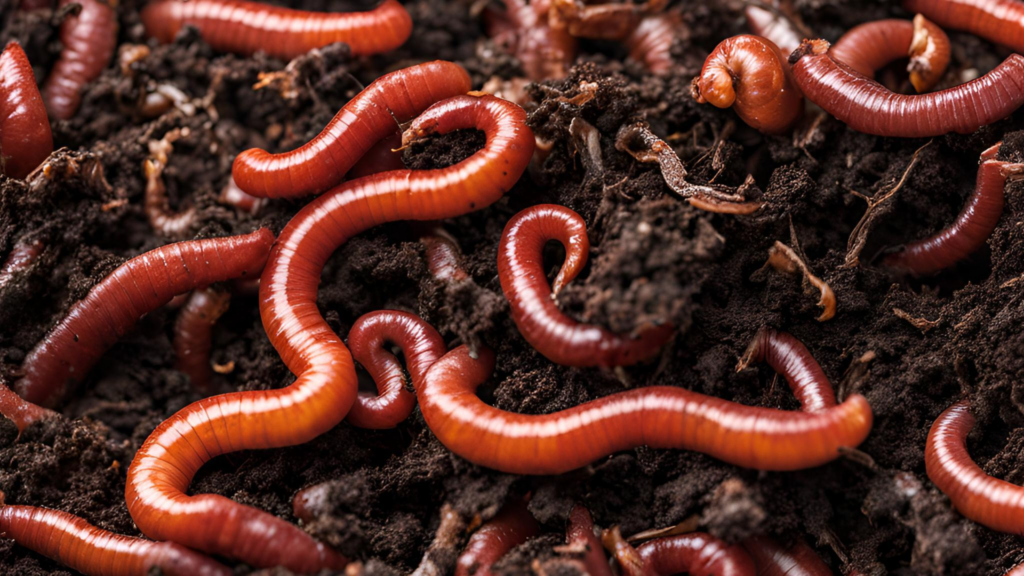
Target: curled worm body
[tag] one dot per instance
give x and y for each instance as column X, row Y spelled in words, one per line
column 89, row 39
column 696, row 554
column 999, row 21
column 870, row 47
column 249, row 27
column 193, row 335
column 580, row 533
column 773, row 559
column 511, row 527
column 25, row 138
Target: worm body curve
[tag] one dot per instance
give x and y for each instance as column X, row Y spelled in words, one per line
column 773, row 26
column 773, row 559
column 871, row 46
column 193, row 335
column 25, row 137
column 998, row 21
column 580, row 532
column 22, row 256
column 650, row 43
column 89, row 39
column 511, row 527
column 545, row 52
column 443, row 256
column 696, row 554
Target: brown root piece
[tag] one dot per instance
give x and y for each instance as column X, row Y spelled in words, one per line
column 784, row 259
column 922, row 324
column 587, row 141
column 613, row 21
column 440, row 557
column 158, row 212
column 629, row 559
column 638, row 141
column 685, row 527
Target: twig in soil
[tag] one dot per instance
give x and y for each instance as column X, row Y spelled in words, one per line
column 587, row 141
column 158, row 212
column 802, row 141
column 855, row 455
column 856, row 373
column 440, row 557
column 685, row 527
column 922, row 324
column 788, row 261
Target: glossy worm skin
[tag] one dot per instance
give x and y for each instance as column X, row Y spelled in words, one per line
column 326, row 386
column 869, row 107
column 134, row 289
column 21, row 257
column 657, row 416
column 421, row 346
column 581, row 533
column 789, row 357
column 73, row 542
column 232, row 195
column 774, row 27
column 248, row 27
column 193, row 335
column 25, row 138
column 1016, row 571
column 997, row 21
column 988, row 501
column 870, row 47
column 558, row 337
column 367, row 119
column 750, row 74
column 511, row 527
column 651, row 41
column 971, row 229
column 382, row 157
column 89, row 41
column 696, row 554
column 773, row 559
column 443, row 256
column 20, row 411
column 545, row 52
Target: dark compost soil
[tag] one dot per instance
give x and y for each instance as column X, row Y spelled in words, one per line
column 912, row 347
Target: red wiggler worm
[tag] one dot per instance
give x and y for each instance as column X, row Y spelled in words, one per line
column 21, row 257
column 868, row 107
column 232, row 195
column 773, row 26
column 25, row 138
column 870, row 47
column 326, row 387
column 970, row 230
column 1016, row 571
column 558, row 337
column 134, row 289
column 382, row 157
column 651, row 41
column 511, row 527
column 20, row 411
column 580, row 533
column 359, row 125
column 248, row 27
column 545, row 52
column 999, row 21
column 193, row 335
column 773, row 559
column 421, row 346
column 89, row 40
column 789, row 357
column 696, row 554
column 750, row 74
column 164, row 221
column 443, row 256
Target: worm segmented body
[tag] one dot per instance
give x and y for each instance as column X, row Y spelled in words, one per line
column 25, row 138
column 21, row 257
column 249, row 27
column 696, row 554
column 326, row 387
column 193, row 335
column 773, row 559
column 870, row 47
column 581, row 533
column 999, row 21
column 510, row 528
column 545, row 52
column 89, row 39
column 651, row 41
column 773, row 26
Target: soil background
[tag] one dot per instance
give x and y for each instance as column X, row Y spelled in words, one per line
column 913, row 347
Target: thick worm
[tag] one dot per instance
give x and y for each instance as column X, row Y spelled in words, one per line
column 558, row 337
column 774, row 26
column 134, row 289
column 421, row 346
column 326, row 387
column 443, row 256
column 544, row 51
column 696, row 554
column 869, row 107
column 89, row 39
column 972, row 227
column 367, row 119
column 25, row 138
column 773, row 559
column 249, row 27
column 193, row 335
column 657, row 416
column 651, row 41
column 870, row 47
column 750, row 74
column 511, row 527
column 999, row 21
column 382, row 157
column 580, row 534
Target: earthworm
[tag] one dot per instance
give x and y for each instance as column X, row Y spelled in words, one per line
column 365, row 120
column 558, row 337
column 89, row 39
column 750, row 74
column 30, row 5
column 25, row 138
column 511, row 527
column 1016, row 571
column 21, row 257
column 970, row 230
column 580, row 534
column 193, row 333
column 421, row 346
column 443, row 256
column 868, row 107
column 656, row 416
column 134, row 289
column 545, row 52
column 158, row 212
column 19, row 410
column 773, row 559
column 651, row 41
column 788, row 356
column 871, row 46
column 997, row 21
column 440, row 557
column 248, row 27
column 73, row 542
column 696, row 554
column 232, row 195
column 773, row 26
column 326, row 386
column 382, row 157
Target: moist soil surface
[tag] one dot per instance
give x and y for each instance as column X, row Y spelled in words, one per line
column 911, row 346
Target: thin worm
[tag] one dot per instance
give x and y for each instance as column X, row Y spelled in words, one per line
column 971, row 229
column 998, row 21
column 773, row 559
column 656, row 416
column 22, row 256
column 25, row 137
column 232, row 195
column 443, row 256
column 134, row 289
column 558, row 337
column 750, row 74
column 868, row 107
column 788, row 356
column 326, row 387
column 651, row 41
column 248, row 27
column 421, row 346
column 511, row 527
column 544, row 51
column 580, row 534
column 359, row 125
column 20, row 411
column 872, row 46
column 163, row 221
column 773, row 26
column 193, row 335
column 89, row 40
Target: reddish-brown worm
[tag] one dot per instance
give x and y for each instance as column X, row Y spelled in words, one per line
column 89, row 39
column 789, row 357
column 580, row 534
column 869, row 107
column 73, row 542
column 384, row 156
column 232, row 195
column 558, row 337
column 1016, row 571
column 25, row 138
column 20, row 411
column 134, row 289
column 161, row 218
column 871, row 46
column 21, row 257
column 421, row 346
column 970, row 230
column 193, row 335
column 773, row 26
column 696, row 554
column 751, row 75
column 249, row 27
column 773, row 559
column 544, row 51
column 359, row 125
column 650, row 43
column 326, row 386
column 656, row 416
column 998, row 21
column 988, row 501
column 443, row 256
column 30, row 5
column 511, row 527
